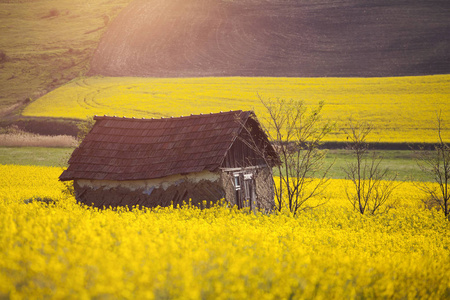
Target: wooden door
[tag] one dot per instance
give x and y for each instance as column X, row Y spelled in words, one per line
column 244, row 184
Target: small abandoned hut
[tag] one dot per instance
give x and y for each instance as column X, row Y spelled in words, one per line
column 151, row 162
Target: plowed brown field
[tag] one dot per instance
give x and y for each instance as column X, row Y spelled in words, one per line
column 301, row 38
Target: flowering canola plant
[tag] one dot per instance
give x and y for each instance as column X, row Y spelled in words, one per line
column 401, row 109
column 64, row 250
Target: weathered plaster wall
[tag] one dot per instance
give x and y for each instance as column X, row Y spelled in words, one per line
column 158, row 182
column 172, row 190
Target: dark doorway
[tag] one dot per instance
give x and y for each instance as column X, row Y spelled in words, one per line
column 244, row 185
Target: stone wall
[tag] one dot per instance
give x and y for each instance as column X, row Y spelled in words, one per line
column 264, row 189
column 263, row 180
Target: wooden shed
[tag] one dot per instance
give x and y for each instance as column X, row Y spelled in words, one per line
column 160, row 162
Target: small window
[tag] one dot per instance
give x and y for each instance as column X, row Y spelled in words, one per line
column 237, row 182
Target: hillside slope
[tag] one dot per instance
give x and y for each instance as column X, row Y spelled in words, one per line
column 46, row 43
column 298, row 38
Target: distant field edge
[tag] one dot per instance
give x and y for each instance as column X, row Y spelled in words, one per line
column 43, row 125
column 401, row 109
column 383, row 146
column 67, row 126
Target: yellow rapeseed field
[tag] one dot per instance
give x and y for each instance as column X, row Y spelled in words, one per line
column 402, row 109
column 67, row 251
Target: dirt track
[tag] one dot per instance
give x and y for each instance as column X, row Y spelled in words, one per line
column 179, row 38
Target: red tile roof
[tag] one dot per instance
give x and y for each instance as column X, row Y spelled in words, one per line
column 137, row 149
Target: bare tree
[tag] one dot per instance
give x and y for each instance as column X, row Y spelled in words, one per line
column 84, row 127
column 437, row 163
column 296, row 133
column 370, row 187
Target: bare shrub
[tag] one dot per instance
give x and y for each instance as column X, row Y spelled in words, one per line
column 370, row 187
column 296, row 133
column 84, row 127
column 431, row 202
column 68, row 189
column 437, row 164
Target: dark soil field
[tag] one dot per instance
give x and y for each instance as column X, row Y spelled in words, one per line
column 292, row 38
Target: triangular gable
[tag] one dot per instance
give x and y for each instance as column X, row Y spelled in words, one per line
column 251, row 147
